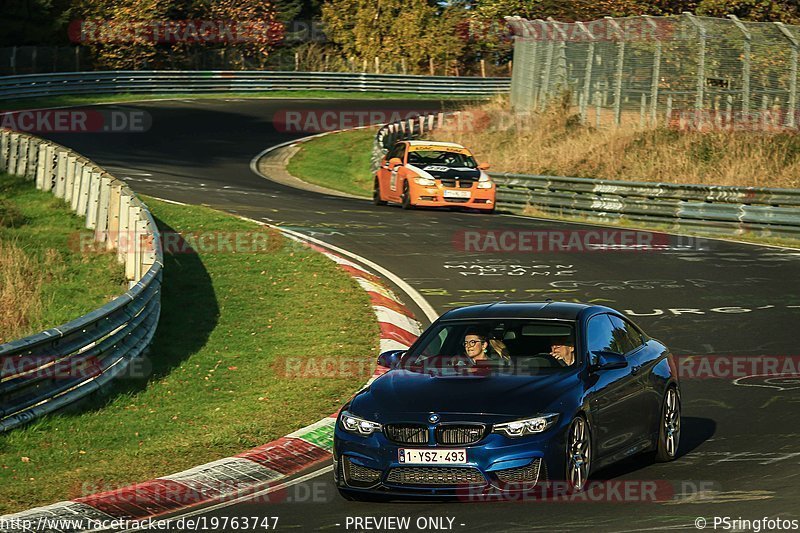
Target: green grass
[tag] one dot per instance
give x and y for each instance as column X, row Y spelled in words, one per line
column 88, row 99
column 228, row 322
column 42, row 235
column 340, row 161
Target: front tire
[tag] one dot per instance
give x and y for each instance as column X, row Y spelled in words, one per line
column 376, row 193
column 669, row 427
column 579, row 454
column 405, row 198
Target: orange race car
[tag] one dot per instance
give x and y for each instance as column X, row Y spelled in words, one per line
column 433, row 174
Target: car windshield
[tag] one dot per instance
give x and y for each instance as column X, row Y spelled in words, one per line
column 507, row 345
column 442, row 158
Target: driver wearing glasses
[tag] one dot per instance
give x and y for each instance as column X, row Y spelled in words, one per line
column 479, row 348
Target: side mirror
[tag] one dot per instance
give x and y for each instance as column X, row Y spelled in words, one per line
column 390, row 359
column 484, row 166
column 395, row 162
column 609, row 360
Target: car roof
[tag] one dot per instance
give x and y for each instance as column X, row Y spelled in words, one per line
column 551, row 310
column 433, row 143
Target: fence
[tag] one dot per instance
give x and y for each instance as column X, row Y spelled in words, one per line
column 54, row 368
column 705, row 72
column 179, row 82
column 705, row 208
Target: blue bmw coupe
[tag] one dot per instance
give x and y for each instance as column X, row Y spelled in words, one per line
column 502, row 397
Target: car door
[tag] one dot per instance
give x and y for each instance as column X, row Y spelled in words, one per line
column 641, row 357
column 389, row 178
column 615, row 393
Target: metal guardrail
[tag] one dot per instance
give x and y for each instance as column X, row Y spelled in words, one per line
column 184, row 82
column 54, row 368
column 709, row 208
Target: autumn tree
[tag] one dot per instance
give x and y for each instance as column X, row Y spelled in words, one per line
column 393, row 30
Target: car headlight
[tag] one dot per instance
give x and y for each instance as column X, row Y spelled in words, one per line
column 485, row 182
column 358, row 426
column 425, row 182
column 526, row 426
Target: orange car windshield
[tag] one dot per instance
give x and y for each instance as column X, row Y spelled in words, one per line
column 442, row 158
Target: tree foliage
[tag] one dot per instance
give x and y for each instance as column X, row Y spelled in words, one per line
column 393, row 30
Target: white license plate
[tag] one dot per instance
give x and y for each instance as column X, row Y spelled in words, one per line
column 457, row 194
column 423, row 456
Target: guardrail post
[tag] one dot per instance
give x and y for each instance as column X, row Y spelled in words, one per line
column 33, row 158
column 5, row 137
column 61, row 173
column 113, row 215
column 141, row 247
column 790, row 116
column 41, row 165
column 101, row 224
column 132, row 258
column 22, row 157
column 83, row 192
column 745, row 65
column 123, row 236
column 69, row 177
column 49, row 162
column 76, row 185
column 93, row 200
column 13, row 146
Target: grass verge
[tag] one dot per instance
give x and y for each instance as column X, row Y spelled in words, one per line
column 231, row 325
column 89, row 99
column 45, row 279
column 339, row 161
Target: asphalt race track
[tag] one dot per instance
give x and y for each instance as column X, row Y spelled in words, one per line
column 740, row 455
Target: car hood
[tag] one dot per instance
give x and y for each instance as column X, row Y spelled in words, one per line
column 441, row 172
column 412, row 396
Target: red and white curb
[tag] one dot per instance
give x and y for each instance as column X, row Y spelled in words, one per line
column 233, row 477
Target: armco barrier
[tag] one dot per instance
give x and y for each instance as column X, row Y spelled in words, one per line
column 54, row 368
column 183, row 82
column 706, row 208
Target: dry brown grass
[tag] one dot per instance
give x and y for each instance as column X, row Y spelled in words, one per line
column 21, row 279
column 555, row 143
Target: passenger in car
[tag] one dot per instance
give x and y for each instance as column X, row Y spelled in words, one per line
column 562, row 349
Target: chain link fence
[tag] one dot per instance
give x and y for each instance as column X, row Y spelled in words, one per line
column 686, row 71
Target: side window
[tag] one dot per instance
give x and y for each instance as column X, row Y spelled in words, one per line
column 397, row 151
column 600, row 335
column 625, row 335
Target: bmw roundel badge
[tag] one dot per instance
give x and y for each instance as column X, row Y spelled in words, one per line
column 433, row 418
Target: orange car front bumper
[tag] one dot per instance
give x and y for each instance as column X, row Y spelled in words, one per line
column 440, row 196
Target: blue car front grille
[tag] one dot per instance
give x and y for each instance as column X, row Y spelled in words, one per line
column 435, row 475
column 459, row 434
column 407, row 433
